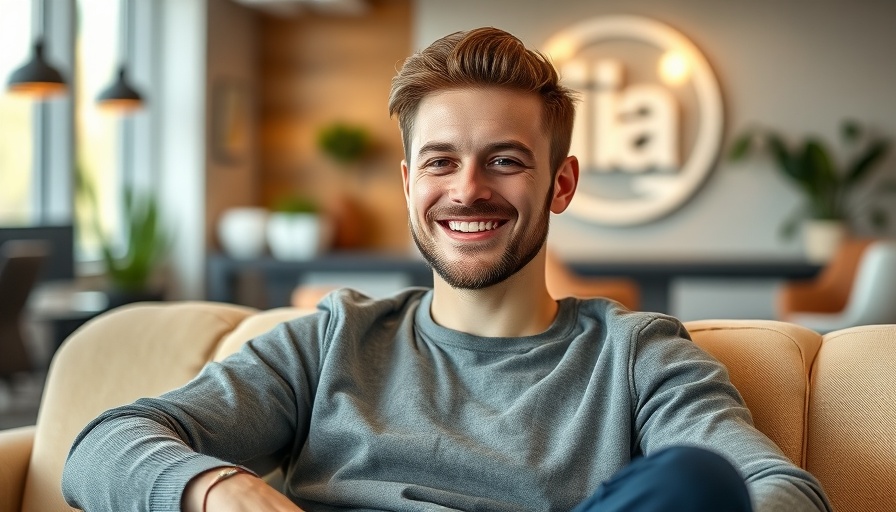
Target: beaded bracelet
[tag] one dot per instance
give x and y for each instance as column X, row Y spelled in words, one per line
column 222, row 475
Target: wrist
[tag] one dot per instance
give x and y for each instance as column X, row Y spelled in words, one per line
column 219, row 477
column 198, row 488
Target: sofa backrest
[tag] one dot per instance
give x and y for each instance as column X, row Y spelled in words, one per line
column 851, row 439
column 828, row 401
column 840, row 424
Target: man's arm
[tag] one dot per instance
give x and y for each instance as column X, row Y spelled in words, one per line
column 685, row 397
column 254, row 404
column 242, row 492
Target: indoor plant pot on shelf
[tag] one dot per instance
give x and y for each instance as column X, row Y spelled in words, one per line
column 830, row 202
column 298, row 230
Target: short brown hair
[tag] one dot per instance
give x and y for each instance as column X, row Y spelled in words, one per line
column 484, row 57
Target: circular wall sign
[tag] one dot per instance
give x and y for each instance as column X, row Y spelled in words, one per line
column 649, row 124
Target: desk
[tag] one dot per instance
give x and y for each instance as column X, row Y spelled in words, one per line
column 655, row 278
column 64, row 307
column 277, row 278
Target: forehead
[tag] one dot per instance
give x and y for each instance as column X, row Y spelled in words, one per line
column 468, row 117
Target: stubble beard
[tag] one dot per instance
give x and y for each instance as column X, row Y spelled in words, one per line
column 472, row 273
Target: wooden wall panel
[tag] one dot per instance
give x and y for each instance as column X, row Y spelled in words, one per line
column 315, row 70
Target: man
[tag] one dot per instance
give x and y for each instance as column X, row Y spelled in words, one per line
column 483, row 393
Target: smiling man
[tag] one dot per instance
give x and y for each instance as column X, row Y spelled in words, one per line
column 480, row 188
column 480, row 394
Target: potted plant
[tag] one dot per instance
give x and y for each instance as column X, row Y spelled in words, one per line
column 345, row 143
column 830, row 203
column 131, row 264
column 349, row 146
column 297, row 229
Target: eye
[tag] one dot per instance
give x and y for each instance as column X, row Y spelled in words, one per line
column 507, row 163
column 438, row 162
column 504, row 161
column 438, row 165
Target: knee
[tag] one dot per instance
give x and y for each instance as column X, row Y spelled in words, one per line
column 681, row 478
column 694, row 463
column 688, row 471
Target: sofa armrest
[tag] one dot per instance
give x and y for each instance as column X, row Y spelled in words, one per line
column 15, row 453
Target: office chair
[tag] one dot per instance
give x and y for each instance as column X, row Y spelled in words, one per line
column 829, row 291
column 20, row 264
column 871, row 298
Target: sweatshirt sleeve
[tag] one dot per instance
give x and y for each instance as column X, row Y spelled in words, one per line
column 683, row 396
column 253, row 406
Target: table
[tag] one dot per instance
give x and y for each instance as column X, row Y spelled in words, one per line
column 276, row 279
column 655, row 278
column 64, row 307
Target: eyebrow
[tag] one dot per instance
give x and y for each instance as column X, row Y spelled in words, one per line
column 447, row 147
column 437, row 147
column 512, row 145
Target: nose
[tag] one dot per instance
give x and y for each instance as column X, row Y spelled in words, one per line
column 469, row 185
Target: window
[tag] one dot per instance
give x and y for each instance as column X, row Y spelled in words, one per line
column 17, row 205
column 98, row 154
column 44, row 145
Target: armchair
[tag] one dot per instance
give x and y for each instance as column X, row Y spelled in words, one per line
column 20, row 266
column 857, row 288
column 827, row 401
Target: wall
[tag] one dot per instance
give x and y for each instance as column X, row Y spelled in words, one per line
column 178, row 102
column 318, row 69
column 202, row 44
column 798, row 66
column 232, row 176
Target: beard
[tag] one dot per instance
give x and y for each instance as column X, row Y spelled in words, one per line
column 474, row 271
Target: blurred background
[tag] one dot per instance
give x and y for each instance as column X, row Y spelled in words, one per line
column 183, row 131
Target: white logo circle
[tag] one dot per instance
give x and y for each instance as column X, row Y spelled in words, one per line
column 628, row 140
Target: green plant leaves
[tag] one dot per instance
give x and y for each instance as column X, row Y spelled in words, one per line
column 145, row 245
column 850, row 130
column 811, row 167
column 788, row 162
column 344, row 142
column 866, row 161
column 296, row 204
column 741, row 146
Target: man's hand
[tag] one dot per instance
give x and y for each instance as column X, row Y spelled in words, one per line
column 238, row 493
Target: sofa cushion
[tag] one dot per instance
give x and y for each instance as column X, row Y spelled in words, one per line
column 852, row 418
column 254, row 325
column 769, row 363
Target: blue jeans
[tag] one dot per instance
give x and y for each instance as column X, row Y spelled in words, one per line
column 679, row 479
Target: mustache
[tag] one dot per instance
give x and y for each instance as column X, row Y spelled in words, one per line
column 474, row 210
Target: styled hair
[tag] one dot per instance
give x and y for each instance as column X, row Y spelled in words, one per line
column 484, row 57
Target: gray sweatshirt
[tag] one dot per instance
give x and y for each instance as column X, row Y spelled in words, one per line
column 371, row 405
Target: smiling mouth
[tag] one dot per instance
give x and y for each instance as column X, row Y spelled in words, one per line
column 472, row 226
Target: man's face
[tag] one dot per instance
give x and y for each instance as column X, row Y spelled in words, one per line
column 478, row 186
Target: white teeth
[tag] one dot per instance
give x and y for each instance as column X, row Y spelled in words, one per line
column 471, row 227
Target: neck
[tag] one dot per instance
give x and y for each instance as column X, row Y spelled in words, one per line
column 518, row 306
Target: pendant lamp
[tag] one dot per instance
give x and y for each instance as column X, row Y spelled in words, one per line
column 36, row 78
column 121, row 97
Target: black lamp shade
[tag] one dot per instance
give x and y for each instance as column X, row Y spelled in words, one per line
column 120, row 96
column 36, row 78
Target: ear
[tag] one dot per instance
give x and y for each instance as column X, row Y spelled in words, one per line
column 565, row 182
column 405, row 180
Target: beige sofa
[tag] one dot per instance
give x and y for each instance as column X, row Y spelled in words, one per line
column 829, row 402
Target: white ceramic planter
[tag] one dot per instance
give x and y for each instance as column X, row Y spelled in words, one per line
column 298, row 236
column 821, row 238
column 242, row 232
